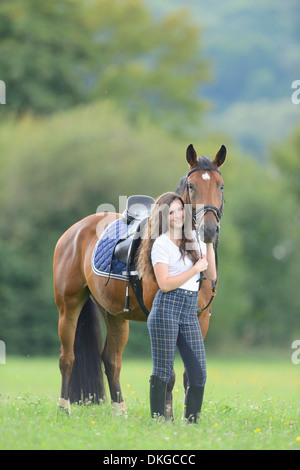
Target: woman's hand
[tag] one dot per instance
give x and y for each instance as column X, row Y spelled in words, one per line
column 201, row 264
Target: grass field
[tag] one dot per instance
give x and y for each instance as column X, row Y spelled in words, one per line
column 249, row 403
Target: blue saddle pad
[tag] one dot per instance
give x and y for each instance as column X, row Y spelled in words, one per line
column 103, row 260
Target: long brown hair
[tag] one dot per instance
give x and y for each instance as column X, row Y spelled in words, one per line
column 158, row 224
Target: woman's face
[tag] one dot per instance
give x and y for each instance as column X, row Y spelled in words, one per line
column 176, row 214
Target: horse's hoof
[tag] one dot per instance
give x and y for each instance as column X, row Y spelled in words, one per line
column 64, row 405
column 118, row 409
column 169, row 410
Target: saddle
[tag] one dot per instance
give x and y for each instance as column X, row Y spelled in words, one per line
column 137, row 211
column 135, row 216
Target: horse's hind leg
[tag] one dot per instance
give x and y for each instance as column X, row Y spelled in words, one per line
column 116, row 339
column 68, row 315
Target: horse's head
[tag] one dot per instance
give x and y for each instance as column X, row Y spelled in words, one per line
column 203, row 189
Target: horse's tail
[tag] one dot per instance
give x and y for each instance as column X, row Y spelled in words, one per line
column 86, row 382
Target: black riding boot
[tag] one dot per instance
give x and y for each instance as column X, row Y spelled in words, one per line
column 158, row 390
column 193, row 403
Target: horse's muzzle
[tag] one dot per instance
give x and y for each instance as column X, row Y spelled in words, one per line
column 210, row 233
column 207, row 222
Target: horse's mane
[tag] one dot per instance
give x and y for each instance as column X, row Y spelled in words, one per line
column 204, row 163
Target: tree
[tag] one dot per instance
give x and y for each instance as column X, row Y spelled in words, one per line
column 56, row 171
column 45, row 53
column 286, row 157
column 64, row 52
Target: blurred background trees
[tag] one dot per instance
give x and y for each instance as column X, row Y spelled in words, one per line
column 103, row 97
column 61, row 53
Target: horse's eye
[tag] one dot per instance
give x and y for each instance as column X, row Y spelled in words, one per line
column 191, row 187
column 222, row 187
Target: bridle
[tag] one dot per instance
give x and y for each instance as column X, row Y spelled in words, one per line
column 202, row 211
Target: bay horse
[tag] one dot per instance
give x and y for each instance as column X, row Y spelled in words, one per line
column 80, row 293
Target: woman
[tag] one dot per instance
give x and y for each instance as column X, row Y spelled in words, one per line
column 171, row 255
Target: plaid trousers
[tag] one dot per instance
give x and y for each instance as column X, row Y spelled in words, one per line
column 174, row 316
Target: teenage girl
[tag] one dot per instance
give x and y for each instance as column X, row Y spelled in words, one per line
column 172, row 256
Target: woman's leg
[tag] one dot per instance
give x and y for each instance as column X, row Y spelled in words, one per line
column 191, row 348
column 194, row 359
column 158, row 391
column 163, row 329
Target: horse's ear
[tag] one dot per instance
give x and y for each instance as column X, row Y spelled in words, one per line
column 220, row 157
column 191, row 155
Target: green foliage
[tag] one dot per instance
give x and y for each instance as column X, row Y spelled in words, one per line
column 261, row 229
column 66, row 52
column 253, row 45
column 286, row 157
column 45, row 54
column 253, row 48
column 91, row 90
column 58, row 170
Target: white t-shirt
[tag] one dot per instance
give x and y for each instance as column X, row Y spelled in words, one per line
column 165, row 251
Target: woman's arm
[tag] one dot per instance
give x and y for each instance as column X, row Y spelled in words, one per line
column 167, row 283
column 211, row 271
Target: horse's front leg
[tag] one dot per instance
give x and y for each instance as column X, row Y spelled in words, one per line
column 169, row 396
column 116, row 339
column 204, row 319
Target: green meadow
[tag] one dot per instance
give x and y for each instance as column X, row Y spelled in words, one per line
column 250, row 403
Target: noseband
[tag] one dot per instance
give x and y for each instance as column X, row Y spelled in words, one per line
column 202, row 211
